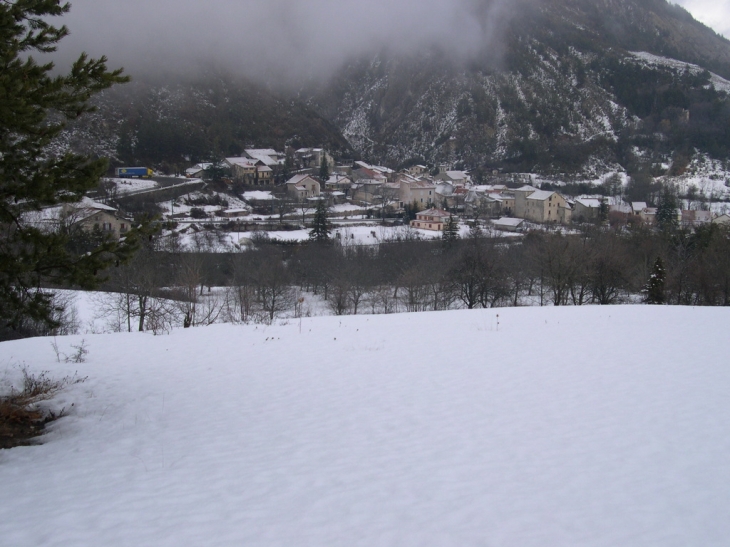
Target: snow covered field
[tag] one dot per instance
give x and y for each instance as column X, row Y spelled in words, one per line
column 590, row 426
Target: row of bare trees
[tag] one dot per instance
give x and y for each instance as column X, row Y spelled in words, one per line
column 164, row 287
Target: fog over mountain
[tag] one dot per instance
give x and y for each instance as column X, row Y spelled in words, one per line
column 548, row 85
column 283, row 40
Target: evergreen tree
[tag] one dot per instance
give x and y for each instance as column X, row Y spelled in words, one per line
column 321, row 227
column 603, row 211
column 324, row 168
column 451, row 232
column 410, row 210
column 655, row 287
column 217, row 170
column 31, row 176
column 666, row 213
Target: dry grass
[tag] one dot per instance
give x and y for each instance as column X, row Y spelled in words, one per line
column 21, row 417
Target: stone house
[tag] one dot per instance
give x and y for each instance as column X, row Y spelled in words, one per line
column 420, row 191
column 541, row 206
column 242, row 169
column 586, row 209
column 91, row 215
column 457, row 178
column 338, row 183
column 303, row 187
column 367, row 191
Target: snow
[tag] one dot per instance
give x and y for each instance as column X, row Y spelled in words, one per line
column 346, row 207
column 718, row 82
column 589, row 202
column 530, row 428
column 258, row 194
column 128, row 186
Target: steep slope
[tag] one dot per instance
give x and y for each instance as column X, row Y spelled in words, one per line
column 157, row 123
column 554, row 89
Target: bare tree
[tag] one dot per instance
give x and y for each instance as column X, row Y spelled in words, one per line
column 273, row 284
column 608, row 267
column 242, row 295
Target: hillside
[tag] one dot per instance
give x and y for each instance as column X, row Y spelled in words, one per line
column 585, row 426
column 156, row 121
column 554, row 88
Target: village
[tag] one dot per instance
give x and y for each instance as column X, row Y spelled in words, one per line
column 266, row 190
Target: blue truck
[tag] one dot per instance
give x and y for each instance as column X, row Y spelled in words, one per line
column 127, row 172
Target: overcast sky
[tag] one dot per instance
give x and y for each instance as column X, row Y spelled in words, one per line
column 284, row 38
column 713, row 13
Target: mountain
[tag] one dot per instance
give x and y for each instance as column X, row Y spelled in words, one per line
column 558, row 86
column 552, row 86
column 158, row 122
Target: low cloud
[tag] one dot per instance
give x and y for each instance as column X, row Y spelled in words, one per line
column 284, row 40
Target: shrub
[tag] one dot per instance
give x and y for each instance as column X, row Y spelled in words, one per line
column 21, row 417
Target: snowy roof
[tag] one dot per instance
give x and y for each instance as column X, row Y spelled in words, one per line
column 198, row 167
column 264, row 151
column 88, row 203
column 258, row 194
column 541, row 195
column 266, row 156
column 378, row 168
column 508, row 221
column 243, row 162
column 638, row 206
column 338, row 179
column 526, row 188
column 433, row 212
column 592, row 203
column 296, row 179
